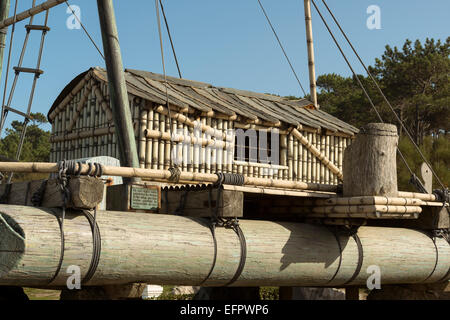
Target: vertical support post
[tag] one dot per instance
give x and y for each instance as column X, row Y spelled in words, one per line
column 4, row 11
column 117, row 87
column 310, row 45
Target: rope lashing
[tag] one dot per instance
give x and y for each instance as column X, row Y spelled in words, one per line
column 66, row 169
column 228, row 223
column 175, row 174
column 96, row 245
column 347, row 231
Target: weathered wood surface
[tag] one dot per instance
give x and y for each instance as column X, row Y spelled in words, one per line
column 86, row 192
column 168, row 249
column 370, row 162
column 230, row 204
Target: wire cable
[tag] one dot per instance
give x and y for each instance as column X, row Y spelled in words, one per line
column 357, row 78
column 85, row 30
column 281, row 46
column 170, row 38
column 382, row 93
column 165, row 76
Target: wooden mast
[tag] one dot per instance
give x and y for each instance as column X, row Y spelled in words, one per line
column 4, row 10
column 117, row 86
column 310, row 45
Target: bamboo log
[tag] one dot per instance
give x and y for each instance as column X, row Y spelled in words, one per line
column 163, row 175
column 367, row 200
column 421, row 196
column 367, row 209
column 142, row 139
column 169, row 249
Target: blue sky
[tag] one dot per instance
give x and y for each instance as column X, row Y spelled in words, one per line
column 226, row 43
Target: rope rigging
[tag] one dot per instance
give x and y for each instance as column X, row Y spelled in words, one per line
column 85, row 30
column 382, row 93
column 170, row 38
column 378, row 87
column 281, row 46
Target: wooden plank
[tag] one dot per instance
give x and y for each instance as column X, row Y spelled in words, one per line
column 196, row 203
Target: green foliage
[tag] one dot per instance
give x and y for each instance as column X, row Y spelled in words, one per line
column 415, row 80
column 437, row 149
column 36, row 146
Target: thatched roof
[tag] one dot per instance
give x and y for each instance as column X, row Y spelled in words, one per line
column 205, row 97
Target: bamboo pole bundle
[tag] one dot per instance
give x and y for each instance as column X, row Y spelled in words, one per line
column 348, row 209
column 370, row 200
column 161, row 147
column 327, row 155
column 202, row 165
column 367, row 215
column 149, row 141
column 213, row 125
column 278, row 253
column 190, row 131
column 310, row 161
column 290, row 156
column 168, row 144
column 295, row 162
column 322, row 151
column 164, row 175
column 86, row 125
column 186, row 149
column 91, row 104
column 340, row 153
column 421, row 196
column 155, row 151
column 225, row 151
column 142, row 139
column 333, row 178
column 220, row 153
column 304, row 163
column 300, row 162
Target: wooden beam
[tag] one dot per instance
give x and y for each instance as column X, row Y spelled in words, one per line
column 164, row 175
column 30, row 12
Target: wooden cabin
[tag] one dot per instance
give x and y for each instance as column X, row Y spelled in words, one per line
column 83, row 126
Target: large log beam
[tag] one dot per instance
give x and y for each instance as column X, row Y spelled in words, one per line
column 168, row 249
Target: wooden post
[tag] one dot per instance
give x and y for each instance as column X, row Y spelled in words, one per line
column 117, row 86
column 4, row 11
column 370, row 167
